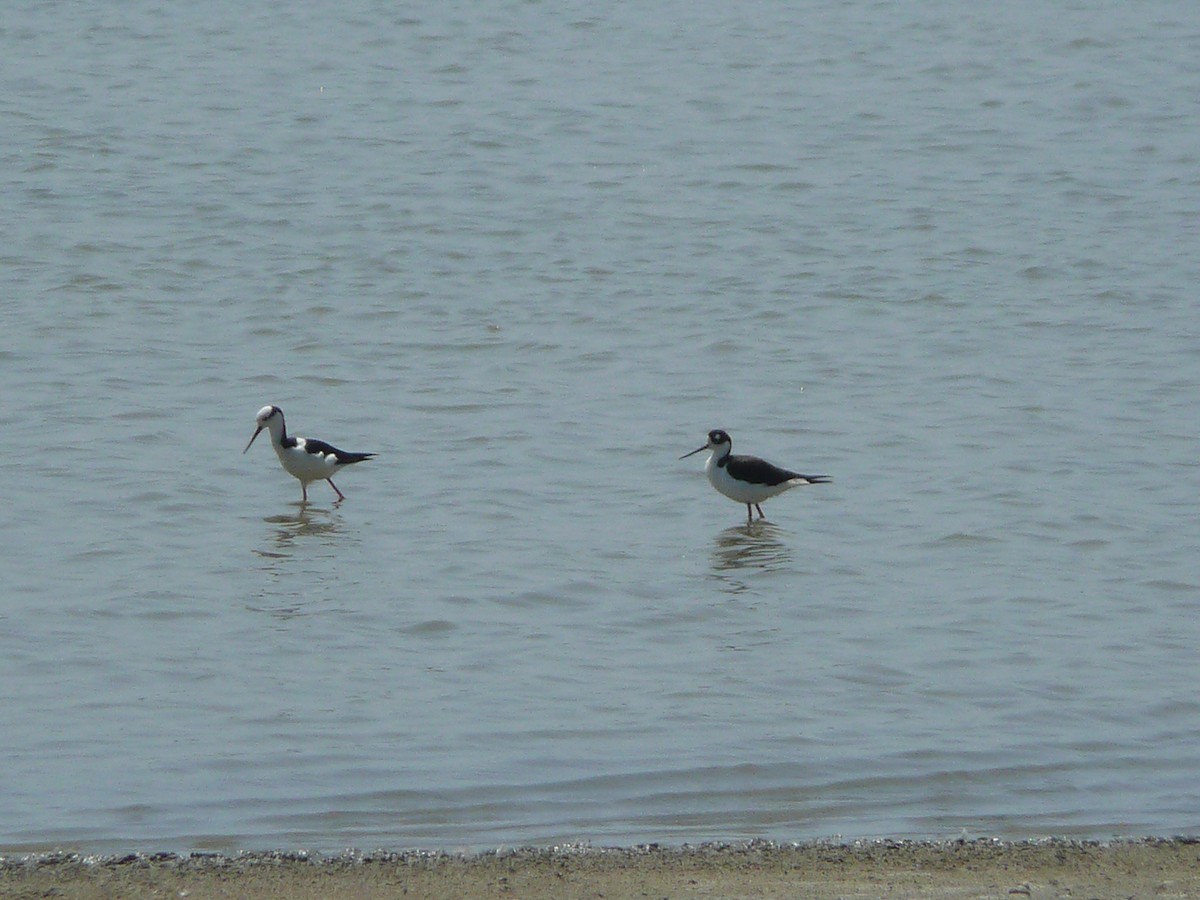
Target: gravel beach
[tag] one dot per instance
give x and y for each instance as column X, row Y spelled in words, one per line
column 957, row 869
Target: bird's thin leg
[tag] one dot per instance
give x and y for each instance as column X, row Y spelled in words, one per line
column 760, row 512
column 303, row 492
column 749, row 515
column 341, row 496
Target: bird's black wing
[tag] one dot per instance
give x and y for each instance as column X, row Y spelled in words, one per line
column 753, row 470
column 344, row 457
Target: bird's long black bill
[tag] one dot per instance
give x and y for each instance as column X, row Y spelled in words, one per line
column 694, row 452
column 252, row 438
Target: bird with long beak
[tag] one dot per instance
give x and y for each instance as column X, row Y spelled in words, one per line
column 305, row 459
column 747, row 479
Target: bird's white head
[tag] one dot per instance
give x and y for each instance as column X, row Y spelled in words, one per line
column 268, row 417
column 718, row 441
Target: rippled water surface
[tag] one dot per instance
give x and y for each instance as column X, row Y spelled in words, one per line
column 530, row 254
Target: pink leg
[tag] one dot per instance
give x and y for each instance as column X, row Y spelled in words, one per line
column 304, row 492
column 341, row 496
column 760, row 512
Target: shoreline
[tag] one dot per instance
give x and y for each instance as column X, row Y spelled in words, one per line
column 1051, row 867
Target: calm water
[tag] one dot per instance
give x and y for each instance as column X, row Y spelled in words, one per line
column 530, row 253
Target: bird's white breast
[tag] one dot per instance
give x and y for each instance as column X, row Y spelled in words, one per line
column 741, row 491
column 304, row 465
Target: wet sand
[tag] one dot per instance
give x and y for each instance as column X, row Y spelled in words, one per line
column 957, row 869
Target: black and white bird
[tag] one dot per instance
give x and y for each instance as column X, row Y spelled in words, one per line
column 747, row 479
column 306, row 459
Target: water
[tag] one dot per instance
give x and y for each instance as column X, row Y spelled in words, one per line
column 531, row 254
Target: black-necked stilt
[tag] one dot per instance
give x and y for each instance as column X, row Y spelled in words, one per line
column 747, row 479
column 304, row 458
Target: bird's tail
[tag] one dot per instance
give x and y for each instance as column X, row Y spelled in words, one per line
column 813, row 479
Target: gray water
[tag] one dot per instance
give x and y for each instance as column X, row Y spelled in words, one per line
column 530, row 253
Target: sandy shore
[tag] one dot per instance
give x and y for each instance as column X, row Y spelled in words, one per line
column 959, row 869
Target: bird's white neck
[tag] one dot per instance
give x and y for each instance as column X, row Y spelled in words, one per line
column 278, row 429
column 717, row 455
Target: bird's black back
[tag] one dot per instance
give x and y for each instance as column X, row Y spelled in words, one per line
column 753, row 470
column 344, row 457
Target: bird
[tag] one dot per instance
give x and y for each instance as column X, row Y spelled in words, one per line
column 747, row 479
column 306, row 459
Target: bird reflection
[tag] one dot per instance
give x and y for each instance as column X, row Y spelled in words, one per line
column 755, row 546
column 306, row 522
column 280, row 552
